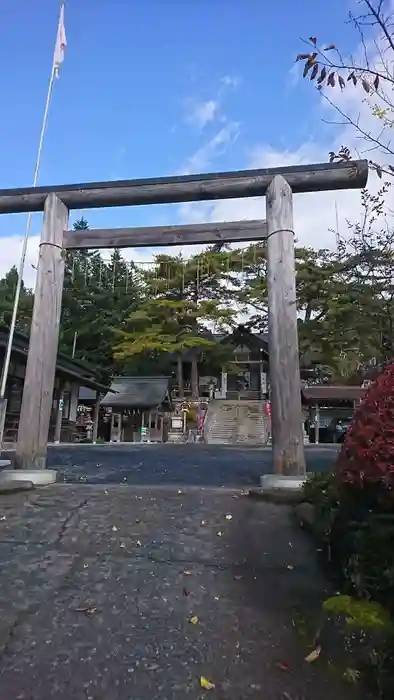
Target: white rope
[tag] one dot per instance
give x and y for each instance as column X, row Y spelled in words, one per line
column 7, row 360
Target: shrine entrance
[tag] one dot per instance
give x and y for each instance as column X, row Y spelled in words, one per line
column 277, row 184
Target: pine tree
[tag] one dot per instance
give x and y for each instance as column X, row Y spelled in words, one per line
column 7, row 297
column 200, row 284
column 169, row 326
column 97, row 299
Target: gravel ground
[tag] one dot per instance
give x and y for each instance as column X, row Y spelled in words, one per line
column 195, row 465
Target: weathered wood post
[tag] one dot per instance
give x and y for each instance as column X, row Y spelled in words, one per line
column 96, row 415
column 317, row 424
column 284, row 369
column 3, row 415
column 59, row 414
column 37, row 399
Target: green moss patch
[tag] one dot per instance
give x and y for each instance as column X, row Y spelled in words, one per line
column 362, row 615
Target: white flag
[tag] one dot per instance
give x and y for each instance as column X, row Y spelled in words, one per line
column 61, row 44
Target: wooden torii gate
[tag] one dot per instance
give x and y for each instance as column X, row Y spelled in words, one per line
column 277, row 184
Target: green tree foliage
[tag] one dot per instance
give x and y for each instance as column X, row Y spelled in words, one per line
column 205, row 276
column 169, row 327
column 201, row 285
column 345, row 297
column 98, row 296
column 7, row 296
column 345, row 303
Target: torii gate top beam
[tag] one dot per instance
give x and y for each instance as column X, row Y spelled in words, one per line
column 188, row 188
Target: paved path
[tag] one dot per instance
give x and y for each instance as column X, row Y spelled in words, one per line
column 198, row 465
column 100, row 583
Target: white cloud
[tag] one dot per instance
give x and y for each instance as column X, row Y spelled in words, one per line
column 315, row 214
column 200, row 114
column 230, row 81
column 203, row 156
column 11, row 249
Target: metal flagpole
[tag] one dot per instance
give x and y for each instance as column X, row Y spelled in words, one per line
column 337, row 239
column 58, row 57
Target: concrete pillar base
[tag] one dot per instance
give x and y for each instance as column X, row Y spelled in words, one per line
column 277, row 481
column 38, row 477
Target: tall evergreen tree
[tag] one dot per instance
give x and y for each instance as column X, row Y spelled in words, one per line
column 97, row 298
column 7, row 297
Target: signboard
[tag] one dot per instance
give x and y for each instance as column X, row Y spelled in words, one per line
column 176, row 422
column 144, row 431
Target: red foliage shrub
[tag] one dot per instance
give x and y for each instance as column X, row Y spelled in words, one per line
column 367, row 454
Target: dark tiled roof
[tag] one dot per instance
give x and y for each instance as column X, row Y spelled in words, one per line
column 137, row 392
column 239, row 336
column 65, row 365
column 333, row 393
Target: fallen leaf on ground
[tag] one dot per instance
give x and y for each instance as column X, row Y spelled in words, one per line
column 228, row 517
column 313, row 655
column 185, row 591
column 114, row 528
column 194, row 620
column 352, row 675
column 205, row 683
column 282, row 666
column 89, row 612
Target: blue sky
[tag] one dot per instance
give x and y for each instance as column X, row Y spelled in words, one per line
column 139, row 81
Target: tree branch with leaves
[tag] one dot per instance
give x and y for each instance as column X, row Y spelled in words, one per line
column 372, row 72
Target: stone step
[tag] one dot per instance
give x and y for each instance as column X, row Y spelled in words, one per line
column 232, row 422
